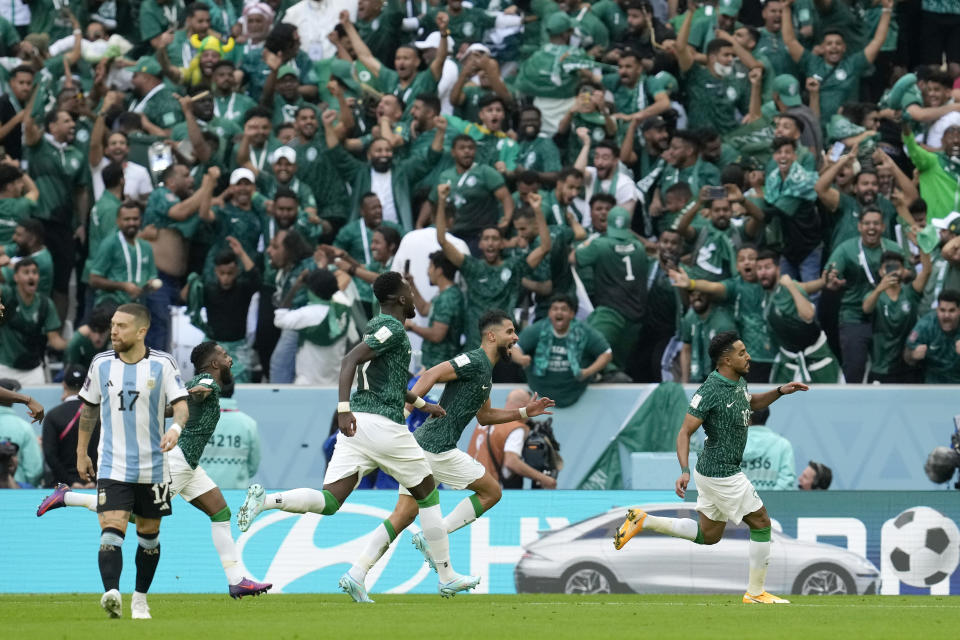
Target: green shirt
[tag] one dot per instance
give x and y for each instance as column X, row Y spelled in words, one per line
column 490, row 287
column 102, row 223
column 202, row 422
column 23, row 335
column 941, row 6
column 768, row 460
column 942, row 362
column 699, row 174
column 540, row 154
column 12, row 211
column 382, row 34
column 162, row 109
column 468, row 25
column 771, row 45
column 746, row 300
column 47, row 19
column 447, row 308
column 382, row 381
column 44, row 261
column 620, row 269
column 698, row 332
column 786, row 327
column 843, row 221
column 939, row 179
column 119, row 261
column 58, row 173
column 838, row 84
column 713, row 101
column 558, row 381
column 848, row 259
column 724, row 407
column 80, row 350
column 389, row 82
column 157, row 213
column 461, row 399
column 471, row 193
column 714, row 257
column 155, row 19
column 892, row 322
column 232, row 107
column 612, row 16
column 246, row 225
column 354, row 238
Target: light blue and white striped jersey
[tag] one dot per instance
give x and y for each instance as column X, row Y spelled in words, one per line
column 132, row 399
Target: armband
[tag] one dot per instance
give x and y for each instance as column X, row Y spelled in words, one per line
column 523, row 413
column 343, row 407
column 685, row 470
column 176, row 427
column 419, row 403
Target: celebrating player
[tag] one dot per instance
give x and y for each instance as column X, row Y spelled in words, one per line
column 375, row 436
column 133, row 475
column 212, row 365
column 466, row 395
column 723, row 406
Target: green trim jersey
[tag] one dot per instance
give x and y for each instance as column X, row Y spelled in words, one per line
column 724, row 407
column 204, row 415
column 461, row 399
column 382, row 381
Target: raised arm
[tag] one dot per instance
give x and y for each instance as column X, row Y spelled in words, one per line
column 682, row 281
column 536, row 256
column 683, row 51
column 580, row 164
column 451, row 252
column 901, row 179
column 826, row 192
column 201, row 149
column 794, row 48
column 95, row 155
column 436, row 67
column 920, row 282
column 763, row 400
column 872, row 49
column 360, row 48
column 805, row 309
column 685, row 221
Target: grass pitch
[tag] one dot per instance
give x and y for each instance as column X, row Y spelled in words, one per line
column 548, row 616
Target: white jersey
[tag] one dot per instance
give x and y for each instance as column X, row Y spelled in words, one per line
column 132, row 399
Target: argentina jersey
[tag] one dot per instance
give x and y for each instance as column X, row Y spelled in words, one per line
column 132, row 399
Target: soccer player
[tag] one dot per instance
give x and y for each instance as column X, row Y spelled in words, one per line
column 375, row 436
column 723, row 406
column 188, row 480
column 466, row 395
column 134, row 475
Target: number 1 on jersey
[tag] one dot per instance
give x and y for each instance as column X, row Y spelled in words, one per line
column 629, row 267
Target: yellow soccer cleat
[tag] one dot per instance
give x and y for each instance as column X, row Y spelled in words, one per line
column 630, row 527
column 763, row 598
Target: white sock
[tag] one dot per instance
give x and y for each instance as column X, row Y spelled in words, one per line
column 227, row 550
column 759, row 559
column 74, row 499
column 296, row 501
column 377, row 545
column 462, row 515
column 676, row 527
column 431, row 522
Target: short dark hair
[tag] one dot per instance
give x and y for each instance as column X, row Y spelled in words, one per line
column 932, row 75
column 603, row 197
column 823, row 476
column 100, row 317
column 9, row 174
column 716, row 44
column 890, row 256
column 25, row 262
column 258, row 112
column 130, row 203
column 566, row 299
column 753, row 31
column 34, row 227
column 112, row 174
column 689, row 137
column 492, row 317
column 833, row 32
column 608, row 144
column 462, row 138
column 280, row 38
column 949, row 295
column 919, row 205
column 322, row 283
column 296, row 246
column 430, row 100
column 871, row 209
column 139, row 312
column 224, row 62
column 566, row 172
column 440, row 261
column 750, row 246
column 193, row 8
column 528, row 176
column 523, row 212
column 368, row 194
column 52, row 116
column 387, row 285
column 721, row 344
column 781, row 141
column 796, row 121
column 680, row 188
column 531, row 107
column 390, row 235
column 22, row 69
column 768, row 254
column 168, row 172
column 285, row 192
column 224, row 256
column 201, row 354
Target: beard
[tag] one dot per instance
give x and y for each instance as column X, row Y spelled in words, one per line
column 505, row 353
column 226, row 376
column 382, row 165
column 528, row 133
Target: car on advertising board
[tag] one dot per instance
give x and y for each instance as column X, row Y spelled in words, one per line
column 580, row 558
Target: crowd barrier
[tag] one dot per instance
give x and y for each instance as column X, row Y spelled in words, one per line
column 532, row 541
column 873, row 437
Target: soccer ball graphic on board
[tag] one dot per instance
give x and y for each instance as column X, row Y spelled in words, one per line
column 925, row 546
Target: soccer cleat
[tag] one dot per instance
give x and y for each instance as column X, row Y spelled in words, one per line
column 458, row 584
column 630, row 527
column 763, row 598
column 248, row 587
column 112, row 603
column 251, row 508
column 138, row 607
column 54, row 500
column 421, row 544
column 354, row 589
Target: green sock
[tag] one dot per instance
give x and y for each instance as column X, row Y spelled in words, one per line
column 760, row 535
column 221, row 516
column 431, row 500
column 389, row 527
column 477, row 507
column 330, row 504
column 699, row 538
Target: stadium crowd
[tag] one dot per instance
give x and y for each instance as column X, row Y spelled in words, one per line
column 627, row 177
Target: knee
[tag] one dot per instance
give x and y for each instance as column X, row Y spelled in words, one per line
column 490, row 496
column 110, row 538
column 712, row 537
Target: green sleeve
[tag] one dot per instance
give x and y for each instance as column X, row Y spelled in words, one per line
column 446, row 308
column 730, row 286
column 471, row 268
column 465, row 367
column 347, row 166
column 587, row 254
column 103, row 259
column 384, row 338
column 494, row 178
column 152, row 22
column 53, row 320
column 858, row 64
column 509, row 150
column 701, row 403
column 596, row 344
column 922, row 159
column 921, row 332
column 528, row 339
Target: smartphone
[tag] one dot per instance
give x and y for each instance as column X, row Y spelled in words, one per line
column 836, row 151
column 406, row 267
column 716, row 193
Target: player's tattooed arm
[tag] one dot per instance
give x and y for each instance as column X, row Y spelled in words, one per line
column 89, row 415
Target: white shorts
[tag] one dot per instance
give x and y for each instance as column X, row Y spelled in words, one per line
column 379, row 443
column 730, row 498
column 188, row 483
column 453, row 469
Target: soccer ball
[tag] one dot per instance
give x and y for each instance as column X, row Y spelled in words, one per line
column 925, row 546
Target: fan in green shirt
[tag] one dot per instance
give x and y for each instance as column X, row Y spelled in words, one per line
column 30, row 324
column 241, row 217
column 934, row 342
column 634, row 92
column 894, row 308
column 228, row 104
column 445, row 313
column 157, row 16
column 160, row 108
column 838, row 74
column 59, row 168
column 700, row 324
column 403, row 81
column 18, row 198
column 536, row 151
column 380, row 26
column 28, row 243
column 91, row 338
column 355, row 237
column 492, row 283
column 123, row 269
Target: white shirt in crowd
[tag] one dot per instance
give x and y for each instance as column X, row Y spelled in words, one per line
column 382, row 185
column 136, row 180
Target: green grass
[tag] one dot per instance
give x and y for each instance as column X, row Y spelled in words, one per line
column 547, row 616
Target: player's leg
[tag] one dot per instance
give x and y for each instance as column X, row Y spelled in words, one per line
column 151, row 503
column 63, row 496
column 114, row 505
column 486, row 493
column 212, row 503
column 759, row 523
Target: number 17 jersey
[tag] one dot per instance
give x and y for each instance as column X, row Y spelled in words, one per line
column 132, row 400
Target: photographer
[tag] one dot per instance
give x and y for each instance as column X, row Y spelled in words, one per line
column 499, row 448
column 8, row 466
